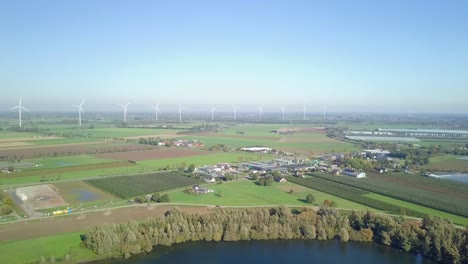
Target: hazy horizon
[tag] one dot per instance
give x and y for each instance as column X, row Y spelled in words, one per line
column 359, row 56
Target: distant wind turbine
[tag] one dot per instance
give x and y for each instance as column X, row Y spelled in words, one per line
column 180, row 113
column 80, row 111
column 260, row 109
column 282, row 110
column 125, row 111
column 304, row 111
column 212, row 112
column 156, row 110
column 20, row 108
column 234, row 109
column 324, row 111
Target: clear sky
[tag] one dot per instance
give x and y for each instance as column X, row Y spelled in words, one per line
column 349, row 55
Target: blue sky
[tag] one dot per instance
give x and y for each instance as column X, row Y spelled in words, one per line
column 349, row 55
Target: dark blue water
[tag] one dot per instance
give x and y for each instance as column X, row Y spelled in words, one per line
column 85, row 195
column 275, row 251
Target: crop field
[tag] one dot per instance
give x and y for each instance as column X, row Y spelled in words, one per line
column 440, row 195
column 130, row 186
column 418, row 208
column 77, row 193
column 248, row 193
column 210, row 159
column 153, row 154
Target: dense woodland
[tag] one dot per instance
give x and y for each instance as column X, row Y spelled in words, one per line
column 434, row 238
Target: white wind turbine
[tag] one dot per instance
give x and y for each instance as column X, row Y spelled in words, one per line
column 234, row 109
column 260, row 109
column 20, row 108
column 304, row 112
column 212, row 112
column 80, row 111
column 324, row 111
column 156, row 110
column 283, row 109
column 180, row 113
column 125, row 111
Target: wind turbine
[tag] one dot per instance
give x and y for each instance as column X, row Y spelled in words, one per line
column 20, row 108
column 282, row 110
column 234, row 109
column 304, row 111
column 156, row 110
column 212, row 112
column 260, row 109
column 324, row 111
column 125, row 111
column 180, row 113
column 80, row 110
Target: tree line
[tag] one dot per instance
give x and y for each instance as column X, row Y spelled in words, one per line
column 434, row 238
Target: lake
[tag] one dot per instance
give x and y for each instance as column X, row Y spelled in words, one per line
column 274, row 251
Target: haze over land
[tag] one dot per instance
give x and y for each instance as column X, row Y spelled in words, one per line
column 385, row 56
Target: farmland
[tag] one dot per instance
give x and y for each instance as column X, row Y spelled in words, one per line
column 154, row 154
column 248, row 193
column 441, row 195
column 79, row 193
column 448, row 163
column 131, row 186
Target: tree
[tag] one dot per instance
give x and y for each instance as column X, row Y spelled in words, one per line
column 191, row 168
column 11, row 168
column 344, row 235
column 310, row 198
column 156, row 197
column 165, row 198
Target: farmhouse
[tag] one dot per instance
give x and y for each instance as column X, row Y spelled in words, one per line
column 201, row 190
column 353, row 173
column 281, row 180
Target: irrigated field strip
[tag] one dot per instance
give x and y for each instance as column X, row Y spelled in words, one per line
column 441, row 195
column 67, row 169
column 130, row 186
column 153, row 154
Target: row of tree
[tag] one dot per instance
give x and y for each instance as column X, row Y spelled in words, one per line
column 434, row 238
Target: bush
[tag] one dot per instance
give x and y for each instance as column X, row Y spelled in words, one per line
column 6, row 209
column 165, row 198
column 310, row 198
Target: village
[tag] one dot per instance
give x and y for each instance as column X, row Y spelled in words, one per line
column 278, row 169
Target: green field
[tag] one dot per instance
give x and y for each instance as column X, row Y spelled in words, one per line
column 127, row 132
column 56, row 162
column 31, row 250
column 248, row 193
column 131, row 186
column 447, row 163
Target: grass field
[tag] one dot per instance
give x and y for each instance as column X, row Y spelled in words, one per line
column 460, row 220
column 28, row 251
column 248, row 193
column 127, row 132
column 447, row 163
